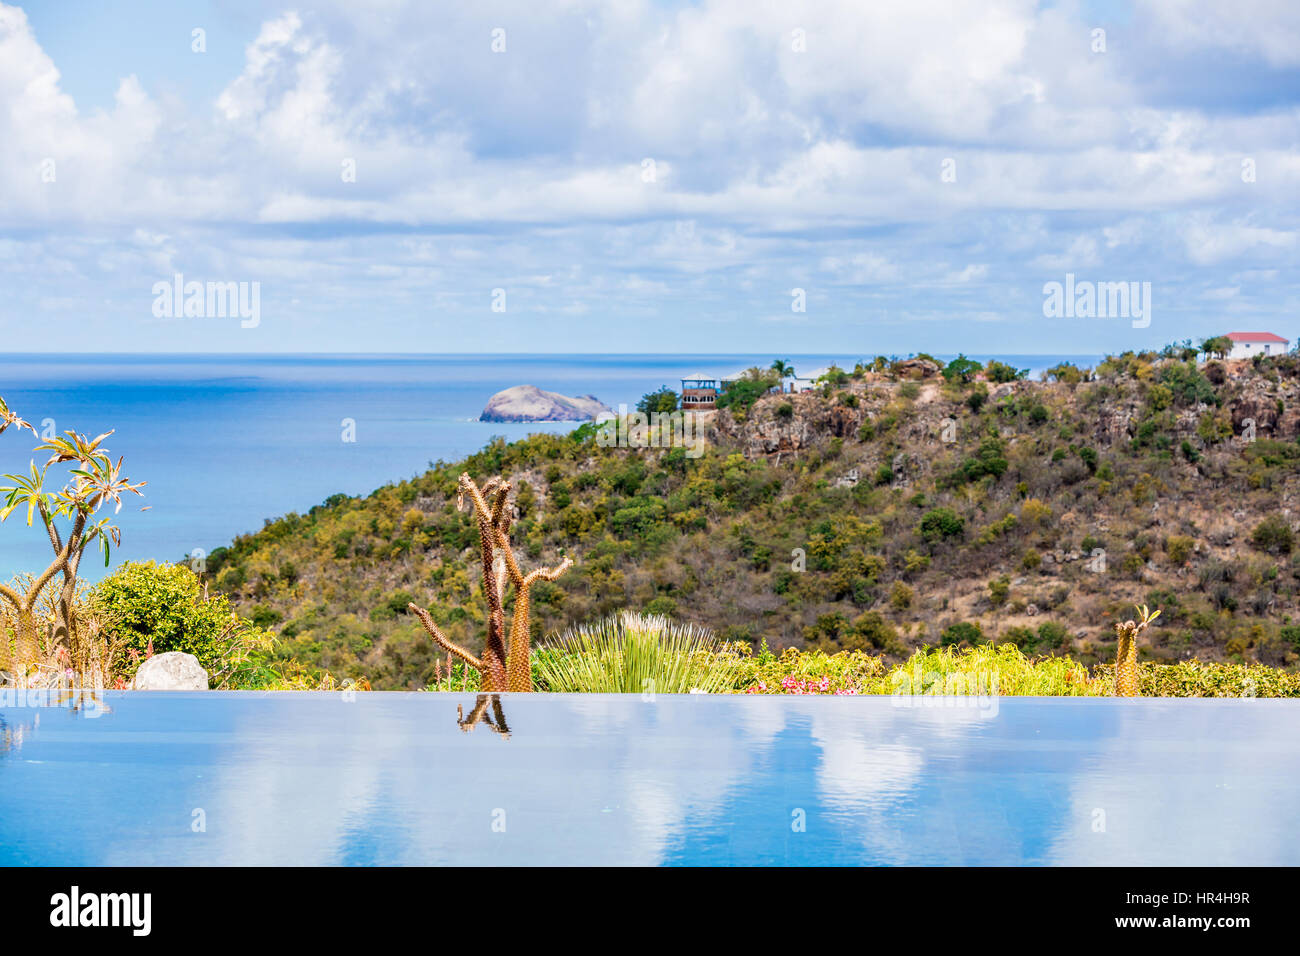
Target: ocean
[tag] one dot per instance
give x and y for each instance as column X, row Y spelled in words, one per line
column 226, row 442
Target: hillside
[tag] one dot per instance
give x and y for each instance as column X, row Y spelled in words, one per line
column 890, row 509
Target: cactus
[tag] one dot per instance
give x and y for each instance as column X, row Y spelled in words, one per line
column 496, row 722
column 502, row 669
column 1126, row 675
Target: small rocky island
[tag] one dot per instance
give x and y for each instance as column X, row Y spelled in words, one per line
column 528, row 403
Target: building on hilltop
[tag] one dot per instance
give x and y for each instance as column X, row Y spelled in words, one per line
column 699, row 392
column 1250, row 344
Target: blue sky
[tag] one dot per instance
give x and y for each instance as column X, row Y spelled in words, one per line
column 646, row 176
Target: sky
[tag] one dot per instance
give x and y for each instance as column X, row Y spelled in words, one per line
column 636, row 176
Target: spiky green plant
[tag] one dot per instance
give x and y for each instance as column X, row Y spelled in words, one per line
column 634, row 653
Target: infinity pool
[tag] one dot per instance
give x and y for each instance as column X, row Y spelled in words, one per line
column 387, row 778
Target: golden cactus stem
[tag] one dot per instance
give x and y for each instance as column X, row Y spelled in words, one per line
column 500, row 669
column 28, row 648
column 1126, row 657
column 494, row 649
column 1126, row 681
column 498, row 725
column 441, row 639
column 519, row 672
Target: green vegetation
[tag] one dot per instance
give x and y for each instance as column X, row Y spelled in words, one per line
column 68, row 517
column 756, row 541
column 961, row 369
column 663, row 400
column 745, row 391
column 160, row 608
column 891, row 509
column 635, row 654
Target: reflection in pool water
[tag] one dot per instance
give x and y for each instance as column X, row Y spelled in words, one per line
column 383, row 778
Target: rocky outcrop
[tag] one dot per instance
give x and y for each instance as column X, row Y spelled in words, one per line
column 1259, row 402
column 173, row 670
column 916, row 368
column 528, row 403
column 782, row 424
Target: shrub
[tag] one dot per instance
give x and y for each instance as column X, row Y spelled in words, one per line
column 1035, row 512
column 940, row 524
column 988, row 460
column 1065, row 372
column 1179, row 548
column 991, row 670
column 1273, row 535
column 963, row 631
column 1001, row 372
column 1214, row 426
column 999, row 590
column 1195, row 678
column 744, row 393
column 1186, row 385
column 663, row 400
column 808, row 672
column 1052, row 635
column 163, row 605
column 961, row 369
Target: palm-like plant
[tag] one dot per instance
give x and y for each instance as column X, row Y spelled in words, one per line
column 93, row 481
column 783, row 369
column 1126, row 676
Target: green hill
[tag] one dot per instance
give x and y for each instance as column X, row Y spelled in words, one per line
column 891, row 508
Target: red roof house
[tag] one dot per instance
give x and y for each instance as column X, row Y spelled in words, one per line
column 1250, row 344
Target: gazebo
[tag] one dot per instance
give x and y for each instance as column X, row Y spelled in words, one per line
column 699, row 391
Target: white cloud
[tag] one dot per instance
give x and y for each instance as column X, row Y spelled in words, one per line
column 822, row 166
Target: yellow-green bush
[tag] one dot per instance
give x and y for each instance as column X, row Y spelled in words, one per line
column 1195, row 678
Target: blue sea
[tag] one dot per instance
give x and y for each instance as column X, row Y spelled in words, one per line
column 226, row 442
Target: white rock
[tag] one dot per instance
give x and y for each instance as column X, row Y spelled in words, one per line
column 528, row 403
column 173, row 670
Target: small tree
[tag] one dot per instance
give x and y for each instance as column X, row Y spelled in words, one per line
column 961, row 370
column 663, row 400
column 1218, row 346
column 783, row 369
column 1273, row 535
column 1000, row 372
column 93, row 481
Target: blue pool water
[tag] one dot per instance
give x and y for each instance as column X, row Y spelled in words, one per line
column 390, row 778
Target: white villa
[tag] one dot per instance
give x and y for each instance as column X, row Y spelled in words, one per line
column 1250, row 344
column 805, row 383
